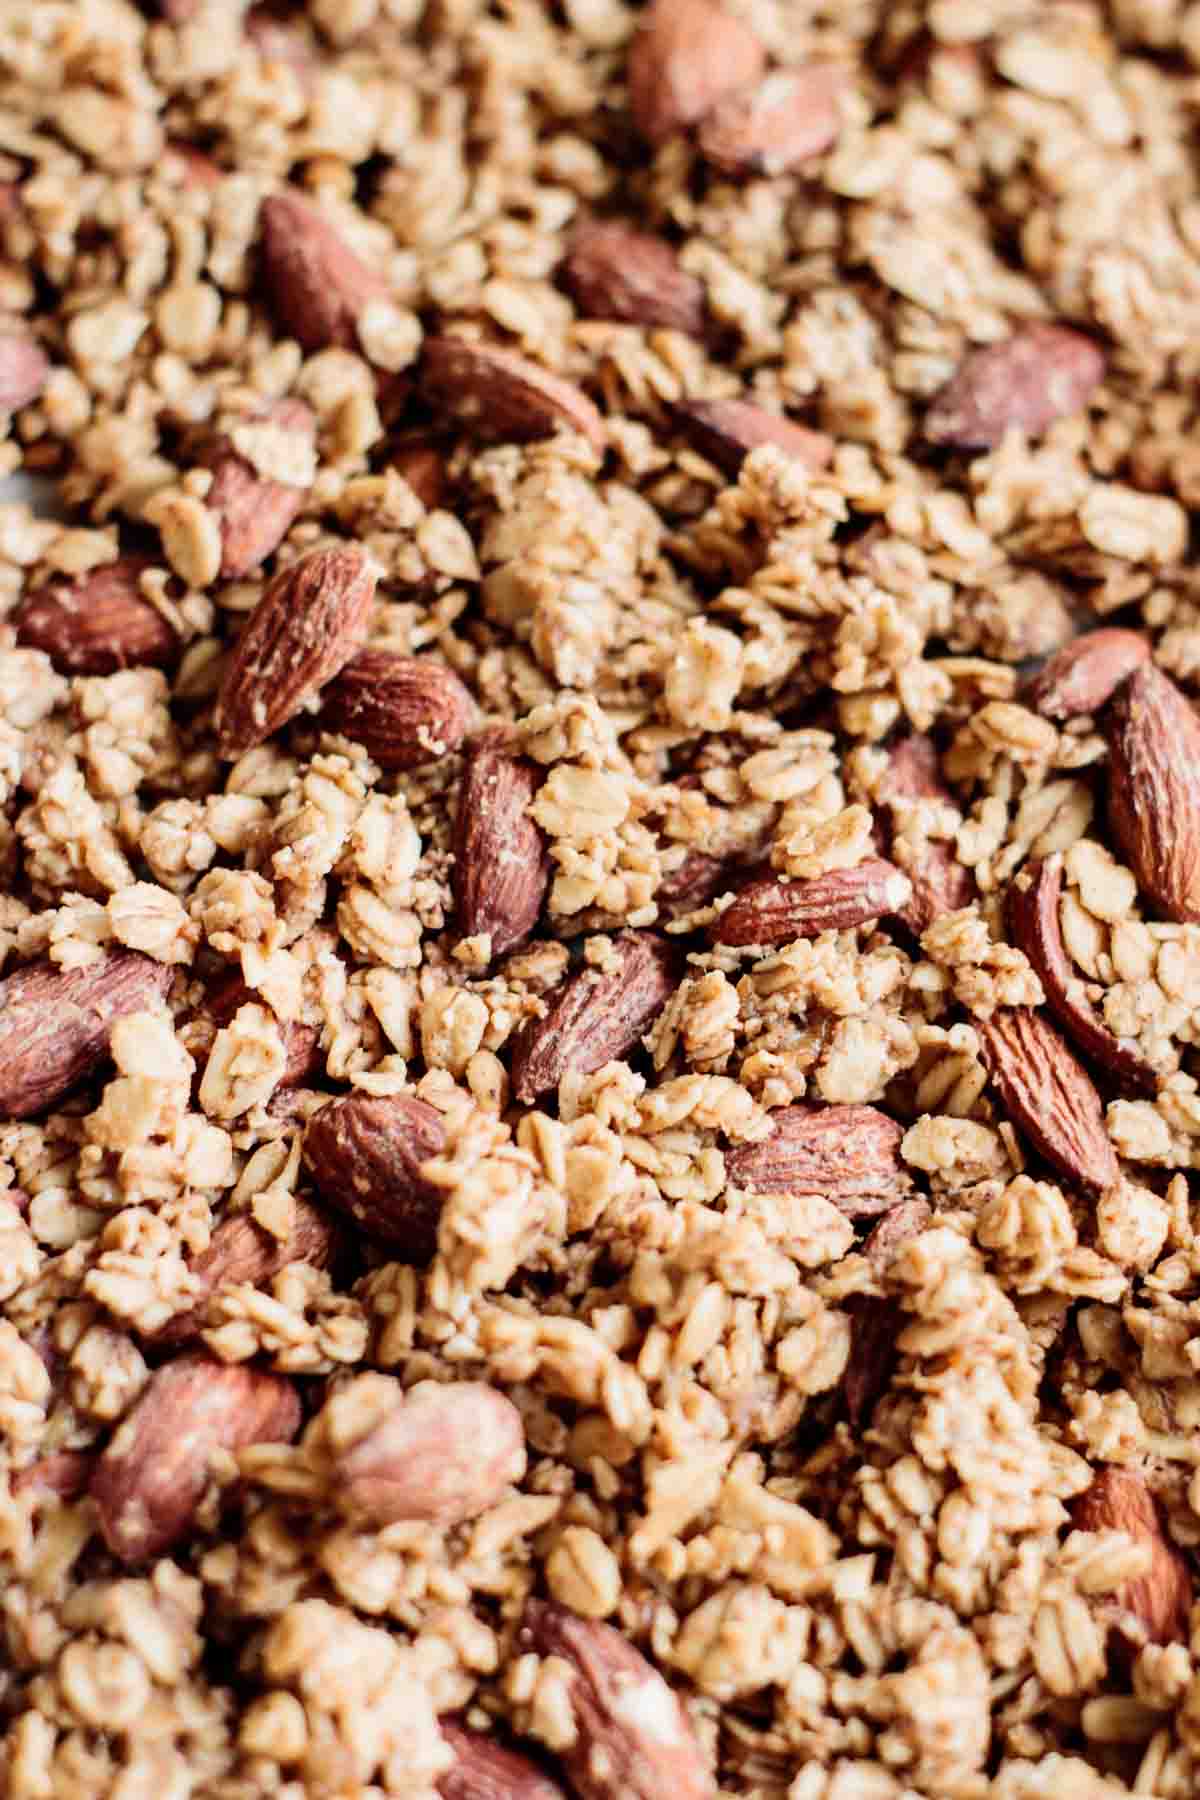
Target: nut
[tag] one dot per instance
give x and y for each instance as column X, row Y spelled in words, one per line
column 1154, row 789
column 848, row 1155
column 1085, row 674
column 727, row 430
column 1049, row 1093
column 317, row 284
column 55, row 1023
column 501, row 868
column 876, row 1322
column 255, row 512
column 310, row 620
column 773, row 910
column 596, row 1015
column 498, row 394
column 365, row 1155
column 940, row 883
column 301, row 1042
column 241, row 1251
column 445, row 1453
column 776, row 127
column 485, row 1770
column 24, row 367
column 97, row 623
column 614, row 272
column 63, row 1474
column 1153, row 1608
column 1040, row 374
column 405, row 710
column 686, row 57
column 150, row 1480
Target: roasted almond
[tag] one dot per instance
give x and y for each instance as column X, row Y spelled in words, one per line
column 1154, row 789
column 485, row 1770
column 255, row 511
column 497, row 394
column 311, row 618
column 318, row 285
column 848, row 1155
column 875, row 1321
column 633, row 1740
column 301, row 1042
column 55, row 1023
column 696, row 880
column 97, row 623
column 240, row 1250
column 149, row 1481
column 1039, row 374
column 365, row 1154
column 1153, row 1608
column 405, row 710
column 686, row 57
column 24, row 367
column 1035, row 926
column 501, row 868
column 774, row 910
column 940, row 883
column 613, row 272
column 1085, row 674
column 1049, row 1094
column 596, row 1016
column 446, row 1452
column 421, row 459
column 727, row 430
column 63, row 1474
column 777, row 126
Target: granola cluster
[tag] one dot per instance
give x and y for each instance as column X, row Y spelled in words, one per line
column 599, row 900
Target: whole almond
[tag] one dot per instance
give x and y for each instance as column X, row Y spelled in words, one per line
column 55, row 1023
column 149, row 1481
column 255, row 511
column 96, row 623
column 1039, row 374
column 725, row 431
column 1155, row 1607
column 875, row 1321
column 1154, row 789
column 241, row 1251
column 485, row 1770
column 775, row 910
column 1035, row 927
column 311, row 618
column 596, row 1016
column 848, row 1155
column 613, row 272
column 365, row 1153
column 1049, row 1094
column 405, row 710
column 301, row 1042
column 420, row 457
column 445, row 1453
column 317, row 284
column 24, row 367
column 686, row 57
column 693, row 883
column 63, row 1474
column 776, row 127
column 633, row 1740
column 497, row 394
column 501, row 867
column 1085, row 674
column 940, row 883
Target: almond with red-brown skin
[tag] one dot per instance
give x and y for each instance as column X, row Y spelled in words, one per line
column 774, row 910
column 301, row 1042
column 63, row 1474
column 1154, row 789
column 55, row 1023
column 501, row 866
column 613, row 272
column 776, row 127
column 240, row 1250
column 421, row 459
column 1049, row 1094
column 1153, row 1608
column 1085, row 674
column 312, row 617
column 318, row 285
column 848, row 1155
column 1039, row 374
column 875, row 1321
column 24, row 367
column 686, row 57
column 940, row 883
column 255, row 511
column 696, row 880
column 365, row 1154
column 446, row 1452
column 596, row 1016
column 150, row 1480
column 1035, row 927
column 485, row 1770
column 497, row 394
column 725, row 431
column 405, row 710
column 633, row 1740
column 97, row 623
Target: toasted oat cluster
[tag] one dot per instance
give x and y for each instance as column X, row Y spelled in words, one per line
column 599, row 900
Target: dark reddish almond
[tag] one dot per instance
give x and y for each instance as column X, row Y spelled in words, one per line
column 848, row 1155
column 405, row 710
column 255, row 511
column 63, row 1474
column 24, row 367
column 318, row 285
column 1039, row 374
column 614, row 272
column 501, row 866
column 1085, row 674
column 686, row 57
column 696, row 881
column 97, row 623
column 776, row 127
column 1153, row 1608
column 940, row 883
column 875, row 1321
column 776, row 910
column 485, row 1770
column 55, row 1023
column 421, row 460
column 1154, row 789
column 727, row 430
column 596, row 1016
column 301, row 1042
column 241, row 1251
column 1049, row 1094
column 365, row 1155
column 497, row 394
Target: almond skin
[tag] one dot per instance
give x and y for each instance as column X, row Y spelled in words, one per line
column 446, row 1453
column 317, row 284
column 774, row 910
column 24, row 367
column 876, row 1322
column 309, row 622
column 485, row 1770
column 151, row 1478
column 63, row 1474
column 686, row 57
column 98, row 623
column 1154, row 789
column 1040, row 374
column 301, row 1042
column 622, row 1751
column 405, row 710
column 1049, row 1093
column 497, row 394
column 241, row 1251
column 1085, row 674
column 776, row 127
column 501, row 867
column 1151, row 1608
column 365, row 1155
column 725, row 431
column 848, row 1155
column 255, row 512
column 55, row 1023
column 595, row 1016
column 940, row 883
column 614, row 272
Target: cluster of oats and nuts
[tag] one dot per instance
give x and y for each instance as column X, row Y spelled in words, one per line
column 599, row 900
